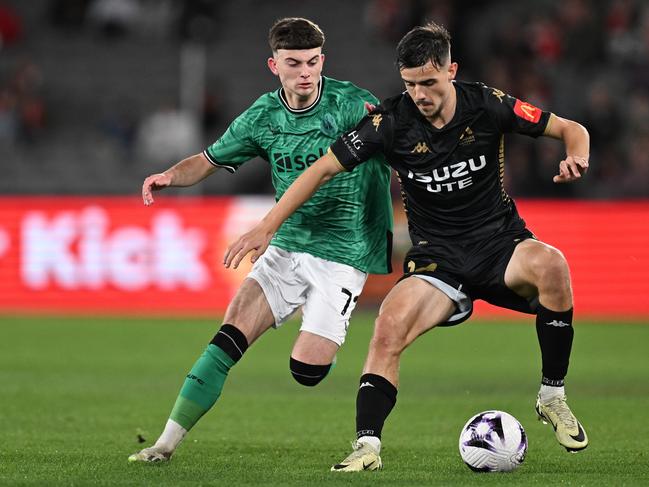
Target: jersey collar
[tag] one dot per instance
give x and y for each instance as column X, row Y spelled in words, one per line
column 300, row 111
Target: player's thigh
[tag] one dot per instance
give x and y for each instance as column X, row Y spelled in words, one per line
column 284, row 290
column 333, row 290
column 314, row 349
column 411, row 308
column 530, row 266
column 249, row 311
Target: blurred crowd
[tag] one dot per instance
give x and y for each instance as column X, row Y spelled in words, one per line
column 22, row 110
column 185, row 20
column 587, row 60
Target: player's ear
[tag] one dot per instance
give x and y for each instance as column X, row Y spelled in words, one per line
column 272, row 65
column 322, row 58
column 452, row 71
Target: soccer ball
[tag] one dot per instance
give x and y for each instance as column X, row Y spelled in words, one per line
column 493, row 441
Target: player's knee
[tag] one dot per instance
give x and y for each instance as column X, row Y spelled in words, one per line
column 388, row 337
column 308, row 374
column 553, row 269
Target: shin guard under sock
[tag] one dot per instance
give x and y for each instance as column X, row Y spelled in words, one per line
column 376, row 398
column 204, row 383
column 555, row 332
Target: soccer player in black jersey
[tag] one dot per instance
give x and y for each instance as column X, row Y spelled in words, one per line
column 444, row 139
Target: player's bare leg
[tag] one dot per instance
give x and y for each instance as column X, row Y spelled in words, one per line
column 411, row 308
column 312, row 358
column 539, row 269
column 248, row 316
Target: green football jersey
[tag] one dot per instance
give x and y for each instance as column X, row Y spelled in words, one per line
column 349, row 219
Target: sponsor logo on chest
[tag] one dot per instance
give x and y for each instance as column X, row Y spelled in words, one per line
column 453, row 177
column 289, row 162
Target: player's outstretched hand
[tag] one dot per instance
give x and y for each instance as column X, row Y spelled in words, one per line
column 571, row 169
column 255, row 241
column 155, row 182
column 369, row 107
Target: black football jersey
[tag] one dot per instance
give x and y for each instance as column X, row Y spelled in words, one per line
column 451, row 178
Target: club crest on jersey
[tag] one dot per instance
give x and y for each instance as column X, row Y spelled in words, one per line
column 527, row 111
column 420, row 148
column 328, row 125
column 467, row 137
column 456, row 176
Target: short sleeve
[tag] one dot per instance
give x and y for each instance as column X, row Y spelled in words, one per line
column 356, row 108
column 237, row 145
column 368, row 137
column 514, row 115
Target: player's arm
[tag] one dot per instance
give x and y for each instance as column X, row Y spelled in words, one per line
column 236, row 146
column 187, row 172
column 258, row 239
column 577, row 142
column 514, row 115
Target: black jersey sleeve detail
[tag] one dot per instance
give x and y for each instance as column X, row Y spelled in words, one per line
column 514, row 115
column 366, row 139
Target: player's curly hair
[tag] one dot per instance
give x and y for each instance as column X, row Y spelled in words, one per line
column 295, row 33
column 430, row 42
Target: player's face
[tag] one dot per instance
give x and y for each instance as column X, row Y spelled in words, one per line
column 298, row 70
column 430, row 87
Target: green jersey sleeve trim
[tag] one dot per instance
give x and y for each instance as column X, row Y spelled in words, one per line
column 212, row 161
column 241, row 141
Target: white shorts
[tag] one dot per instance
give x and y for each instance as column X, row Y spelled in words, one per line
column 326, row 290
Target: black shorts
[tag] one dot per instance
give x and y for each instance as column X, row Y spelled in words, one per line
column 472, row 271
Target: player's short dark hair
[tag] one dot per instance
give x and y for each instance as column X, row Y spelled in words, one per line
column 295, row 33
column 430, row 42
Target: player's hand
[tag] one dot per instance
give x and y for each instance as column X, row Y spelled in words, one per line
column 155, row 182
column 255, row 241
column 571, row 169
column 369, row 107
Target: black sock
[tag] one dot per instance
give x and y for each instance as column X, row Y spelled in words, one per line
column 231, row 340
column 376, row 398
column 555, row 332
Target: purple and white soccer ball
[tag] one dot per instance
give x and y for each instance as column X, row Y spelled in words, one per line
column 493, row 441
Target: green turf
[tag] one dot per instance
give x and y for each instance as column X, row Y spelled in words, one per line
column 75, row 393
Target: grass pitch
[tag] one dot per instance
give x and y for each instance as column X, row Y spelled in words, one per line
column 76, row 393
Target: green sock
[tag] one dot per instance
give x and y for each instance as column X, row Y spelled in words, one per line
column 202, row 386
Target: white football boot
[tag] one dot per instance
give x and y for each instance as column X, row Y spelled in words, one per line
column 569, row 432
column 364, row 457
column 152, row 454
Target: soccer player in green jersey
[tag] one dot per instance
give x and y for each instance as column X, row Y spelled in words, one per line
column 320, row 258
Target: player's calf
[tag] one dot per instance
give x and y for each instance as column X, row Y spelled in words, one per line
column 308, row 374
column 200, row 391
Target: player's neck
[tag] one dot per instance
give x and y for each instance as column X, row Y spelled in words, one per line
column 446, row 114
